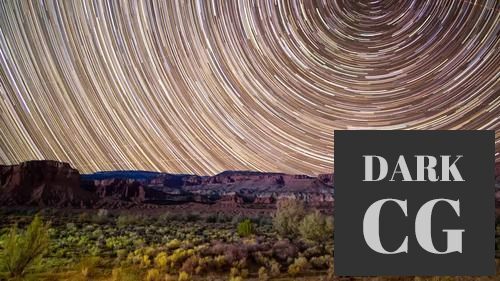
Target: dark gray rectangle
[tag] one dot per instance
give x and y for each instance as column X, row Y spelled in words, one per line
column 353, row 196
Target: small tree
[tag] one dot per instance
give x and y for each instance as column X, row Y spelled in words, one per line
column 288, row 215
column 245, row 228
column 316, row 227
column 25, row 248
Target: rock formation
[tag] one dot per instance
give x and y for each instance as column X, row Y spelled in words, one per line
column 43, row 183
column 56, row 184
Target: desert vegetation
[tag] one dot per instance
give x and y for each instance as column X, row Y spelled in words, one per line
column 294, row 243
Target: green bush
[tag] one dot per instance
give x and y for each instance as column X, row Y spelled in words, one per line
column 23, row 249
column 245, row 228
column 288, row 215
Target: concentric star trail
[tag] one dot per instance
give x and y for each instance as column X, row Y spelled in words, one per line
column 205, row 86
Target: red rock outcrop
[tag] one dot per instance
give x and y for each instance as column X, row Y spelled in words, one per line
column 43, row 183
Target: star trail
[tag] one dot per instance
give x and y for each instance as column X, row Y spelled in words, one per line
column 206, row 86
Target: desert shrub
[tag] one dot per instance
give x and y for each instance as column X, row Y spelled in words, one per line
column 288, row 215
column 190, row 265
column 145, row 261
column 283, row 250
column 274, row 268
column 170, row 277
column 220, row 262
column 121, row 254
column 166, row 218
column 127, row 220
column 71, row 227
column 23, row 249
column 237, row 219
column 316, row 227
column 161, row 260
column 94, row 251
column 231, row 252
column 331, row 270
column 87, row 267
column 322, row 262
column 260, row 259
column 84, row 217
column 263, row 276
column 211, row 218
column 233, row 272
column 117, row 242
column 236, row 275
column 245, row 228
column 126, row 274
column 223, row 218
column 299, row 265
column 117, row 274
column 313, row 251
column 153, row 275
column 101, row 217
column 173, row 244
column 240, row 264
column 244, row 273
column 139, row 242
column 179, row 256
column 184, row 276
column 191, row 217
column 204, row 264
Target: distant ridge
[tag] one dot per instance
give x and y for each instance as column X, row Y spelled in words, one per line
column 130, row 174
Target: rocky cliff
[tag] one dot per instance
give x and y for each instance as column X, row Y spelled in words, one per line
column 56, row 184
column 230, row 187
column 43, row 183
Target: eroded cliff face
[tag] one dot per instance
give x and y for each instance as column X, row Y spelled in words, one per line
column 230, row 188
column 267, row 188
column 43, row 183
column 56, row 184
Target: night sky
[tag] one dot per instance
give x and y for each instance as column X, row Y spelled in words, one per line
column 206, row 86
